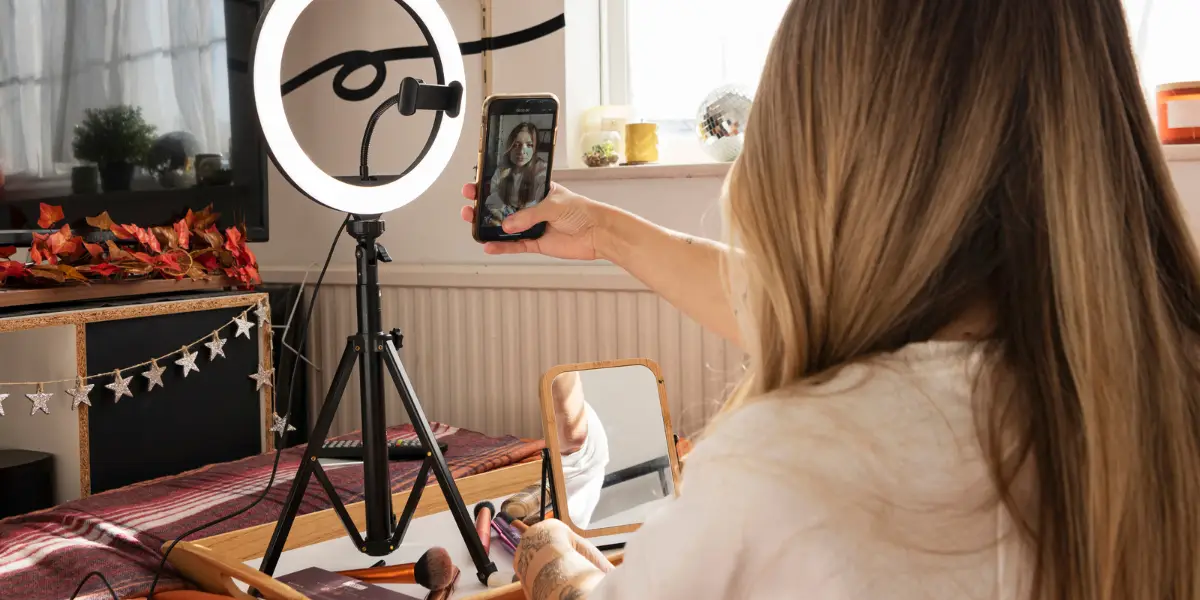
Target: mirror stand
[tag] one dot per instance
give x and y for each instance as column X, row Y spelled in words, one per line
column 548, row 484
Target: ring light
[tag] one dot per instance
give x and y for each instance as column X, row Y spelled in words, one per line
column 374, row 348
column 294, row 163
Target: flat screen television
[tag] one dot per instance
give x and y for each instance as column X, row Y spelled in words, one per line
column 142, row 108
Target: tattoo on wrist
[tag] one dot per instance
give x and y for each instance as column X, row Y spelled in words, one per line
column 548, row 579
column 571, row 593
column 536, row 540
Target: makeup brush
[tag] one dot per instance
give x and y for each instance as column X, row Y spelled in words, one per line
column 483, row 523
column 448, row 591
column 433, row 571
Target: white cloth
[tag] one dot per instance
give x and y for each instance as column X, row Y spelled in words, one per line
column 583, row 471
column 870, row 486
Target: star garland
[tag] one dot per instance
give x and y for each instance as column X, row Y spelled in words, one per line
column 186, row 357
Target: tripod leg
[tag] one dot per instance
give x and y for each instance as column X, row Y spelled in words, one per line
column 410, row 507
column 315, row 441
column 466, row 526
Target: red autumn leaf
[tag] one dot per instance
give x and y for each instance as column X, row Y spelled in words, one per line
column 102, row 221
column 166, row 261
column 142, row 256
column 49, row 215
column 208, row 261
column 148, row 240
column 125, row 232
column 234, row 241
column 248, row 258
column 7, row 251
column 102, row 269
column 95, row 250
column 183, row 233
column 62, row 242
column 133, row 232
column 11, row 268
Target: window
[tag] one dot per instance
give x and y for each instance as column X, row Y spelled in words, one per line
column 59, row 58
column 663, row 57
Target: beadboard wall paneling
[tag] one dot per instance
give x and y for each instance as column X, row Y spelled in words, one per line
column 477, row 339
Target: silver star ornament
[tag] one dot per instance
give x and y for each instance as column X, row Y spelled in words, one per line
column 2, row 397
column 40, row 400
column 243, row 326
column 120, row 386
column 263, row 313
column 188, row 362
column 263, row 377
column 80, row 394
column 154, row 375
column 280, row 424
column 216, row 347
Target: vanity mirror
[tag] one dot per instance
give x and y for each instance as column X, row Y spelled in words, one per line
column 610, row 444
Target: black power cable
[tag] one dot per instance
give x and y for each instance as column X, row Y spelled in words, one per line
column 278, row 450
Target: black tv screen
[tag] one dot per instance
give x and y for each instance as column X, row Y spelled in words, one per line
column 141, row 108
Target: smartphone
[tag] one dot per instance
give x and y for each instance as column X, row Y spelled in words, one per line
column 516, row 156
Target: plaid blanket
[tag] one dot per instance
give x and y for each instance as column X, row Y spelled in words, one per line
column 45, row 555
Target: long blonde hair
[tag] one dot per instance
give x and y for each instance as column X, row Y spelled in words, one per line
column 907, row 159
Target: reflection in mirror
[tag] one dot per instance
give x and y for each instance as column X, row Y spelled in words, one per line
column 613, row 444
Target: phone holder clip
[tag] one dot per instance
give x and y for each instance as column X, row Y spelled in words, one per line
column 417, row 95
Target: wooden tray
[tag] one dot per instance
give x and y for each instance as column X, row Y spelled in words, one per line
column 99, row 291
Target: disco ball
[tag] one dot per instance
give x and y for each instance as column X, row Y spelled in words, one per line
column 721, row 121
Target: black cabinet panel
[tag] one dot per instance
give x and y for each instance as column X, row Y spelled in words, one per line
column 212, row 416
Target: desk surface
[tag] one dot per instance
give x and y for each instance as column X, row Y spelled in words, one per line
column 425, row 532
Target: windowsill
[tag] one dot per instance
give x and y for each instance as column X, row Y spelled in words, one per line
column 1172, row 152
column 658, row 171
column 1182, row 152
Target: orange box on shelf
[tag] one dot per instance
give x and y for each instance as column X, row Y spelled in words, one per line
column 1179, row 113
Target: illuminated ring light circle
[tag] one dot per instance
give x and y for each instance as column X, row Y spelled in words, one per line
column 266, row 67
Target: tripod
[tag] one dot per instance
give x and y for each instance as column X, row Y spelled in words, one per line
column 370, row 347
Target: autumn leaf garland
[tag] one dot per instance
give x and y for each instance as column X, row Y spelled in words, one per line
column 191, row 248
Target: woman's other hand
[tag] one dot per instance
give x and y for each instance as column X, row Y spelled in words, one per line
column 572, row 225
column 552, row 560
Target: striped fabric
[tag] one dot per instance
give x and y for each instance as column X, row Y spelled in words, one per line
column 44, row 555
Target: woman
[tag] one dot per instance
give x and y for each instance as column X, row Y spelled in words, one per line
column 969, row 302
column 519, row 178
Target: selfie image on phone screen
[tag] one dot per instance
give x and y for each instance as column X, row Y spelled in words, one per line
column 518, row 149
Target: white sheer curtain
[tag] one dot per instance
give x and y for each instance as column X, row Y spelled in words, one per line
column 60, row 57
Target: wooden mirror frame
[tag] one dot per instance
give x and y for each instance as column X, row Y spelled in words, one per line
column 550, row 431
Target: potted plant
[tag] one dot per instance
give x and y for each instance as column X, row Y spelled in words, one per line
column 116, row 139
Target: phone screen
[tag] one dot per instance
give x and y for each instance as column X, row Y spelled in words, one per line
column 518, row 152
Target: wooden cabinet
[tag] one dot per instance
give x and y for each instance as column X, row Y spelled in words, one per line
column 212, row 415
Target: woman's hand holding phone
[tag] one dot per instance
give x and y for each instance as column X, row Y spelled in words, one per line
column 572, row 225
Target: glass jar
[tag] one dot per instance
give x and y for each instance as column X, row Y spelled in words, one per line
column 601, row 148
